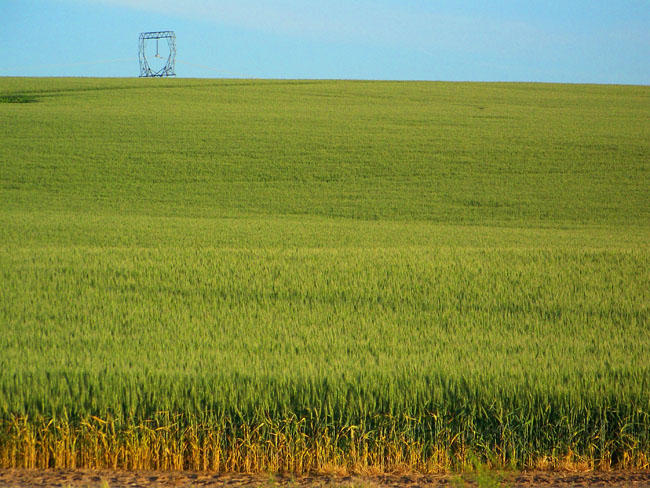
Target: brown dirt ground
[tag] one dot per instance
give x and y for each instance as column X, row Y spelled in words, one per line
column 83, row 478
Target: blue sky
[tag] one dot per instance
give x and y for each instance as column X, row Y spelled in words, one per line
column 575, row 41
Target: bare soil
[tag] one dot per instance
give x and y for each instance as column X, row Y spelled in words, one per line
column 84, row 478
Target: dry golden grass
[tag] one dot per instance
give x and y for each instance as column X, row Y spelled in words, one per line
column 100, row 444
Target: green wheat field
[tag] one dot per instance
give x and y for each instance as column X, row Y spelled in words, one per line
column 303, row 276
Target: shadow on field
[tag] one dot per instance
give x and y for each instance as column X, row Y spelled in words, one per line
column 18, row 98
column 33, row 95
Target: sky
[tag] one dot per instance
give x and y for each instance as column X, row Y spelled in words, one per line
column 570, row 41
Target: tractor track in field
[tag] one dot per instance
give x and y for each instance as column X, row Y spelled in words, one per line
column 84, row 478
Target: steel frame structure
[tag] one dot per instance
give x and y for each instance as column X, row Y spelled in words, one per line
column 170, row 64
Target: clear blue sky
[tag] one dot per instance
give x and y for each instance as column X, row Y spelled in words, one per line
column 592, row 41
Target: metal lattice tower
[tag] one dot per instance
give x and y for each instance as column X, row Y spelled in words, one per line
column 170, row 64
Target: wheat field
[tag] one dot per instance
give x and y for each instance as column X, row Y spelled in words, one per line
column 303, row 276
